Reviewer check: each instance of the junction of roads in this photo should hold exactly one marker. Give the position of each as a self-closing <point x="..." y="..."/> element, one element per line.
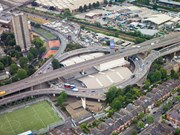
<point x="153" y="49"/>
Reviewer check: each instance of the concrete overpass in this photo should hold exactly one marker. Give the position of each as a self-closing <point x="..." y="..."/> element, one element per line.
<point x="33" y="81"/>
<point x="98" y="93"/>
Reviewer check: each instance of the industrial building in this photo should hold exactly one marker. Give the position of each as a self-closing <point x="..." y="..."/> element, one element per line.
<point x="106" y="78"/>
<point x="72" y="5"/>
<point x="21" y="31"/>
<point x="81" y="58"/>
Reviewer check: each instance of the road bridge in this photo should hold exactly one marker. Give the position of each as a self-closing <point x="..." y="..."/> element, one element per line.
<point x="33" y="81"/>
<point x="98" y="93"/>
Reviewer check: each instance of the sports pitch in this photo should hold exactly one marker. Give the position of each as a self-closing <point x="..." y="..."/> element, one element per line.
<point x="33" y="117"/>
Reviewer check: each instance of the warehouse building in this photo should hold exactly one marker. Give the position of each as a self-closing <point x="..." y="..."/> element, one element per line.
<point x="72" y="5"/>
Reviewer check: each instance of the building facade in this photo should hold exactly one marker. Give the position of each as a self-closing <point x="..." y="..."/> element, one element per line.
<point x="21" y="31"/>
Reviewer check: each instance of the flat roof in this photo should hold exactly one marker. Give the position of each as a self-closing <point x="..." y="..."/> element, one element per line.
<point x="5" y="17"/>
<point x="106" y="78"/>
<point x="159" y="18"/>
<point x="170" y="2"/>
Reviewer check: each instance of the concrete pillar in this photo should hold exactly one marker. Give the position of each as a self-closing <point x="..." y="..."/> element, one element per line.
<point x="174" y="53"/>
<point x="54" y="95"/>
<point x="83" y="102"/>
<point x="126" y="58"/>
<point x="99" y="100"/>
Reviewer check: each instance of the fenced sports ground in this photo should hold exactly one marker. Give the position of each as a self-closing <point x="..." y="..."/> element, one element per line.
<point x="33" y="117"/>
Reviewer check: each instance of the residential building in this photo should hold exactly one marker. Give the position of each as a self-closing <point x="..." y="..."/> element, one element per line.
<point x="173" y="115"/>
<point x="21" y="31"/>
<point x="158" y="129"/>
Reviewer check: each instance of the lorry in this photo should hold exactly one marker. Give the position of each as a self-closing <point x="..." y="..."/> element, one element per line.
<point x="2" y="93"/>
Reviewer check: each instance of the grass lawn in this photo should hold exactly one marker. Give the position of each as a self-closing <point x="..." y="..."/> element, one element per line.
<point x="46" y="34"/>
<point x="33" y="117"/>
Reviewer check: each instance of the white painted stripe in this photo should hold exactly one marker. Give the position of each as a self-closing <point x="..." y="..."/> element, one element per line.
<point x="109" y="78"/>
<point x="120" y="75"/>
<point x="99" y="82"/>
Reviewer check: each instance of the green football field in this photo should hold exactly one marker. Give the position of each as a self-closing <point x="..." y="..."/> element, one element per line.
<point x="33" y="117"/>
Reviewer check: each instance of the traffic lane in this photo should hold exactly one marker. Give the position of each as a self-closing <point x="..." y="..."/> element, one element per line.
<point x="70" y="68"/>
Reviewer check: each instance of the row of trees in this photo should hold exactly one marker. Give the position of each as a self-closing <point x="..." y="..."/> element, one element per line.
<point x="20" y="66"/>
<point x="90" y="6"/>
<point x="158" y="73"/>
<point x="72" y="46"/>
<point x="118" y="98"/>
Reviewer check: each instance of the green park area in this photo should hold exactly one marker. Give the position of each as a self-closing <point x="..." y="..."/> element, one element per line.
<point x="45" y="33"/>
<point x="33" y="117"/>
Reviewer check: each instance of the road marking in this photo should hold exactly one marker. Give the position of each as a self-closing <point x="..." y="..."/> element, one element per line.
<point x="9" y="124"/>
<point x="38" y="115"/>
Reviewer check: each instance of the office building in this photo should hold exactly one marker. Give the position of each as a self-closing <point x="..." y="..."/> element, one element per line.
<point x="21" y="31"/>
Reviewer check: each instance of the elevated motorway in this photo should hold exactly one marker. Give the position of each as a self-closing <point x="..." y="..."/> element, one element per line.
<point x="99" y="93"/>
<point x="33" y="81"/>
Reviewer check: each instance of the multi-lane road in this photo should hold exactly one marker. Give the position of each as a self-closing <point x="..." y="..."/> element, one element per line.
<point x="32" y="81"/>
<point x="99" y="93"/>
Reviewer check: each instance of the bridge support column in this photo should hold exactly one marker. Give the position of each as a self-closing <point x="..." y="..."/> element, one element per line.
<point x="174" y="53"/>
<point x="54" y="95"/>
<point x="83" y="102"/>
<point x="99" y="100"/>
<point x="126" y="58"/>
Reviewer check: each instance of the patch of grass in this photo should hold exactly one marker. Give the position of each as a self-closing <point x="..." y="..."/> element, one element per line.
<point x="33" y="117"/>
<point x="45" y="33"/>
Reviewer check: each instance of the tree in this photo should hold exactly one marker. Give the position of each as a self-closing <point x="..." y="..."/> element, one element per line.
<point x="94" y="5"/>
<point x="30" y="56"/>
<point x="13" y="69"/>
<point x="174" y="75"/>
<point x="134" y="132"/>
<point x="6" y="60"/>
<point x="105" y="2"/>
<point x="1" y="66"/>
<point x="18" y="48"/>
<point x="21" y="74"/>
<point x="155" y="6"/>
<point x="62" y="98"/>
<point x="97" y="4"/>
<point x="38" y="42"/>
<point x="149" y="119"/>
<point x="23" y="62"/>
<point x="55" y="64"/>
<point x="147" y="84"/>
<point x="42" y="50"/>
<point x="163" y="73"/>
<point x="111" y="94"/>
<point x="85" y="7"/>
<point x="31" y="70"/>
<point x="34" y="3"/>
<point x="67" y="13"/>
<point x="177" y="131"/>
<point x="167" y="106"/>
<point x="117" y="103"/>
<point x="52" y="8"/>
<point x="140" y="124"/>
<point x="90" y="6"/>
<point x="34" y="52"/>
<point x="12" y="42"/>
<point x="81" y="9"/>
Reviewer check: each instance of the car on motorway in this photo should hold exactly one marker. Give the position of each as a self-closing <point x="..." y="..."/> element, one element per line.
<point x="138" y="46"/>
<point x="2" y="93"/>
<point x="152" y="43"/>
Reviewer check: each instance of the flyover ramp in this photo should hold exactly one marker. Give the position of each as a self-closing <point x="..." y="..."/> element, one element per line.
<point x="32" y="81"/>
<point x="99" y="93"/>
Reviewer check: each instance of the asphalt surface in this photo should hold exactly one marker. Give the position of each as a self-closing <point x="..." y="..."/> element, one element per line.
<point x="32" y="81"/>
<point x="97" y="93"/>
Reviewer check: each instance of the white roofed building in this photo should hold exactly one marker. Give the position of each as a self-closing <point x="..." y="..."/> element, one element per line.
<point x="157" y="21"/>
